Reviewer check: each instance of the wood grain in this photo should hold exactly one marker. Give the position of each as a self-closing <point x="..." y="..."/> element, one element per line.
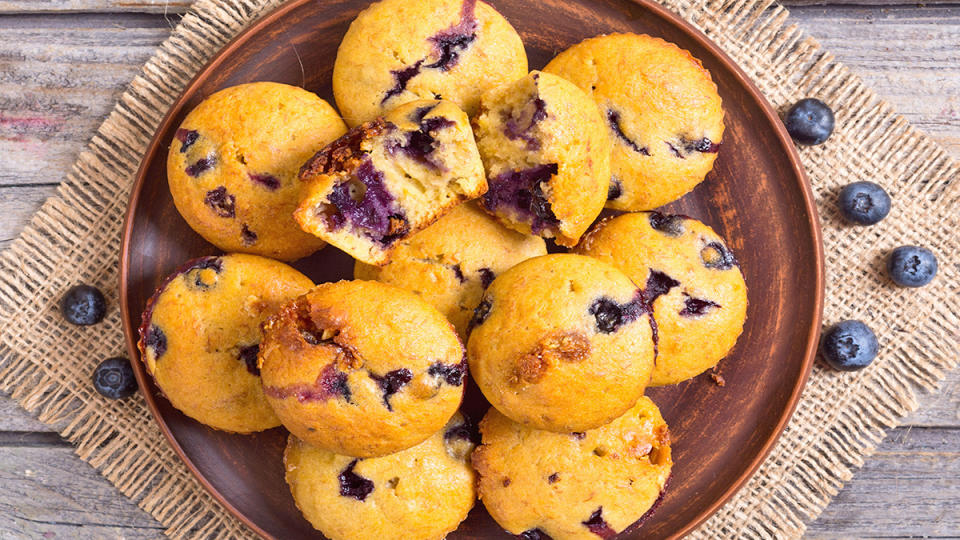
<point x="907" y="54"/>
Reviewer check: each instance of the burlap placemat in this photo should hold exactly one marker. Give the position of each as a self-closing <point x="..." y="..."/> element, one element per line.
<point x="46" y="365"/>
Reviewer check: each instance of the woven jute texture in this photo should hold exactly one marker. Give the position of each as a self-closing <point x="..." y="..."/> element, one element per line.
<point x="46" y="364"/>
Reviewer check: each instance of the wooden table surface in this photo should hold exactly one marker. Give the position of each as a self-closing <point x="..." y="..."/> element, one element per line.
<point x="64" y="62"/>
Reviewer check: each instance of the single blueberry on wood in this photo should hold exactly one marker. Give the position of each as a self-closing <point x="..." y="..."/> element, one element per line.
<point x="354" y="485"/>
<point x="912" y="266"/>
<point x="809" y="121"/>
<point x="83" y="305"/>
<point x="849" y="346"/>
<point x="114" y="378"/>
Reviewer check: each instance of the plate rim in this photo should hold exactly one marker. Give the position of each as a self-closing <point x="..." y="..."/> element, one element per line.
<point x="145" y="383"/>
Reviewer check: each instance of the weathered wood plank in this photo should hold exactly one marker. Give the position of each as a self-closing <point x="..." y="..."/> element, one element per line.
<point x="59" y="78"/>
<point x="87" y="6"/>
<point x="14" y="419"/>
<point x="908" y="487"/>
<point x="908" y="55"/>
<point x="49" y="493"/>
<point x="17" y="205"/>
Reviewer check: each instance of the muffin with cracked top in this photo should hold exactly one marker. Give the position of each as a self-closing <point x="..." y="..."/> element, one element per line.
<point x="562" y="343"/>
<point x="397" y="51"/>
<point x="387" y="179"/>
<point x="233" y="164"/>
<point x="547" y="155"/>
<point x="538" y="484"/>
<point x="421" y="492"/>
<point x="690" y="277"/>
<point x="201" y="333"/>
<point x="361" y="368"/>
<point x="450" y="263"/>
<point x="662" y="111"/>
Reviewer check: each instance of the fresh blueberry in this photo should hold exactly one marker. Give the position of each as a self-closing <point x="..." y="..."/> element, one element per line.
<point x="83" y="305"/>
<point x="865" y="203"/>
<point x="810" y="121"/>
<point x="912" y="266"/>
<point x="849" y="346"/>
<point x="114" y="378"/>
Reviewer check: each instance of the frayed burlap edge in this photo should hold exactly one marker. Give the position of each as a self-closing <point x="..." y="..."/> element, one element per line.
<point x="76" y="236"/>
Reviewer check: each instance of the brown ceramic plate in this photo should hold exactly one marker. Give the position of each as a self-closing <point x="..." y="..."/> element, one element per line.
<point x="757" y="197"/>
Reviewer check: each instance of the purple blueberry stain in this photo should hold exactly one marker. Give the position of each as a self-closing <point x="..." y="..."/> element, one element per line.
<point x="599" y="526"/>
<point x="354" y="485"/>
<point x="578" y="435"/>
<point x="193" y="277"/>
<point x="534" y="534"/>
<point x="695" y="307"/>
<point x="421" y="144"/>
<point x="365" y="202"/>
<point x="613" y="118"/>
<point x="668" y="224"/>
<point x="186" y="137"/>
<point x="553" y="478"/>
<point x="329" y="384"/>
<point x="452" y="374"/>
<point x="611" y="315"/>
<point x="401" y="78"/>
<point x="458" y="271"/>
<point x="716" y="256"/>
<point x="450" y="43"/>
<point x="420" y="113"/>
<point x="247" y="236"/>
<point x="518" y="124"/>
<point x="481" y="312"/>
<point x="266" y="180"/>
<point x="155" y="340"/>
<point x="222" y="203"/>
<point x="615" y="190"/>
<point x="201" y="165"/>
<point x="248" y="354"/>
<point x="486" y="277"/>
<point x="523" y="191"/>
<point x="703" y="145"/>
<point x="392" y="382"/>
<point x="658" y="284"/>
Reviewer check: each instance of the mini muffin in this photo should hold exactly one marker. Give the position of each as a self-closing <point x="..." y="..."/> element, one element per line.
<point x="201" y="333"/>
<point x="387" y="179"/>
<point x="691" y="279"/>
<point x="232" y="167"/>
<point x="662" y="111"/>
<point x="562" y="342"/>
<point x="547" y="154"/>
<point x="361" y="368"/>
<point x="397" y="51"/>
<point x="422" y="492"/>
<point x="451" y="262"/>
<point x="538" y="484"/>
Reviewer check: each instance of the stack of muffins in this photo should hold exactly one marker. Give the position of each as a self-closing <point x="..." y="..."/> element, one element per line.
<point x="450" y="166"/>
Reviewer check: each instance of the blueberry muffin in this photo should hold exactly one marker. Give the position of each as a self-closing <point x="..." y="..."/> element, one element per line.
<point x="201" y="333"/>
<point x="690" y="277"/>
<point x="538" y="484"/>
<point x="232" y="167"/>
<point x="421" y="492"/>
<point x="361" y="368"/>
<point x="547" y="155"/>
<point x="397" y="51"/>
<point x="451" y="262"/>
<point x="662" y="111"/>
<point x="386" y="179"/>
<point x="562" y="343"/>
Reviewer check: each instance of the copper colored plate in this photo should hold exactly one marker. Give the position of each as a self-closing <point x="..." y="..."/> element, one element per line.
<point x="757" y="197"/>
